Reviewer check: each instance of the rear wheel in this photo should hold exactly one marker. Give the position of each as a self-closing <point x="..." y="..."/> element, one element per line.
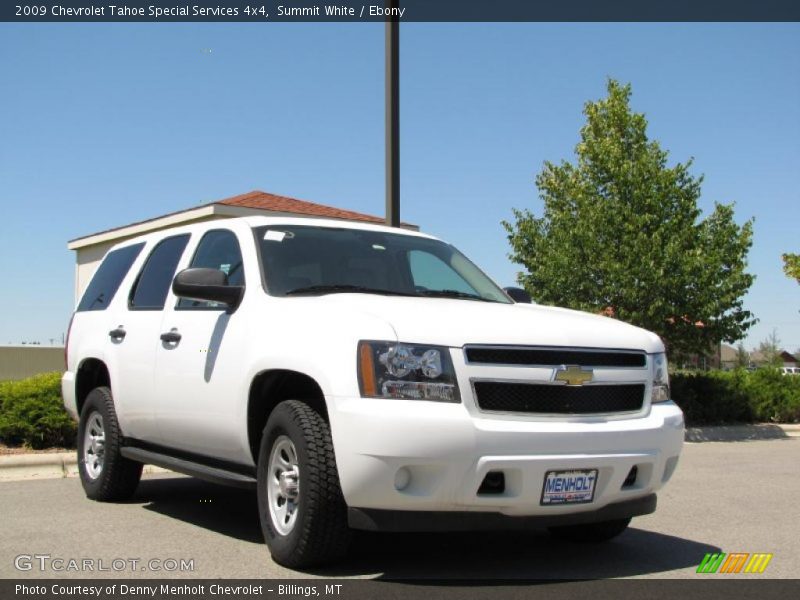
<point x="106" y="475"/>
<point x="591" y="532"/>
<point x="303" y="513"/>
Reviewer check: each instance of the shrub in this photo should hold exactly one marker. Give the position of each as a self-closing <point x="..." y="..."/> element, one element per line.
<point x="773" y="396"/>
<point x="32" y="413"/>
<point x="737" y="396"/>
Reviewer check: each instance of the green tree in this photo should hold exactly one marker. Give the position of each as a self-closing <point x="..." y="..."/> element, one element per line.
<point x="621" y="232"/>
<point x="770" y="349"/>
<point x="791" y="266"/>
<point x="742" y="356"/>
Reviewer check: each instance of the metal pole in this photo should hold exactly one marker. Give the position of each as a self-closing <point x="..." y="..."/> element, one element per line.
<point x="392" y="119"/>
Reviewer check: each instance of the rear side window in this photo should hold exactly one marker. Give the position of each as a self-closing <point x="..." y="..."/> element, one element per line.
<point x="219" y="249"/>
<point x="151" y="287"/>
<point x="109" y="275"/>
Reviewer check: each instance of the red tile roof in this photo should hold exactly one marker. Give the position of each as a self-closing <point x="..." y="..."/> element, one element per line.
<point x="267" y="202"/>
<point x="273" y="202"/>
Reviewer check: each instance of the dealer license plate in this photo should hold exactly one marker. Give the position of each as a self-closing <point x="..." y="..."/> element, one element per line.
<point x="569" y="487"/>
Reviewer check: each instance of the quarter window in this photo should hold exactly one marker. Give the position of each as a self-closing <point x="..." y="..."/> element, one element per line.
<point x="151" y="287"/>
<point x="109" y="275"/>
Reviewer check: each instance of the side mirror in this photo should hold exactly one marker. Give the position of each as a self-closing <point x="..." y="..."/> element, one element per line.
<point x="518" y="295"/>
<point x="207" y="284"/>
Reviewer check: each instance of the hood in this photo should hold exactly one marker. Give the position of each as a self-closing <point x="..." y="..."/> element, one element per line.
<point x="454" y="323"/>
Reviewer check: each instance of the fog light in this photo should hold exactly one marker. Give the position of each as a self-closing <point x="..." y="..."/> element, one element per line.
<point x="493" y="483"/>
<point x="402" y="478"/>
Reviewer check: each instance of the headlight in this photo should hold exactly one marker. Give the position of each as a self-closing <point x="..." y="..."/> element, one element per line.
<point x="406" y="371"/>
<point x="660" y="379"/>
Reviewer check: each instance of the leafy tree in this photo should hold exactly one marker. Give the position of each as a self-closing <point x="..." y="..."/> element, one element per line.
<point x="770" y="349"/>
<point x="621" y="233"/>
<point x="791" y="266"/>
<point x="742" y="356"/>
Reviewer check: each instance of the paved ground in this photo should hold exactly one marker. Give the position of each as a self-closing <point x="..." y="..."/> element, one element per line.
<point x="731" y="496"/>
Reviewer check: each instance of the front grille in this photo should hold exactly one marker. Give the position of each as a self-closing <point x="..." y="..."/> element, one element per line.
<point x="554" y="356"/>
<point x="558" y="399"/>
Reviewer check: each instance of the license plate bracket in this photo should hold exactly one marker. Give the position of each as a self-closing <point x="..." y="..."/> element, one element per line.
<point x="568" y="486"/>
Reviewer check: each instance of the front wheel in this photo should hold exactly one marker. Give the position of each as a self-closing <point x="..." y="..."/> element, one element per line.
<point x="303" y="513"/>
<point x="590" y="532"/>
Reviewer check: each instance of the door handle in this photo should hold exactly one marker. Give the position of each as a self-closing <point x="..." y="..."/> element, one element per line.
<point x="117" y="334"/>
<point x="171" y="337"/>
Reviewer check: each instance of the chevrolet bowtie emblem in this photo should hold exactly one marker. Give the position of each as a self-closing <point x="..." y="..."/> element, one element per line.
<point x="573" y="375"/>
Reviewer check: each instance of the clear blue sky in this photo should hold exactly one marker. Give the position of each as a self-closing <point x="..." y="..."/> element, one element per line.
<point x="105" y="124"/>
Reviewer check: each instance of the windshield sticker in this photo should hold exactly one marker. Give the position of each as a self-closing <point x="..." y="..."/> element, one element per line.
<point x="274" y="236"/>
<point x="225" y="269"/>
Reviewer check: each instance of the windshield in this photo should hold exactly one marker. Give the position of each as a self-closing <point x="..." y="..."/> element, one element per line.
<point x="304" y="260"/>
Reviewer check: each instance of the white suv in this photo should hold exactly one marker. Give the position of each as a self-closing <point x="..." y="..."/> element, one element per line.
<point x="362" y="377"/>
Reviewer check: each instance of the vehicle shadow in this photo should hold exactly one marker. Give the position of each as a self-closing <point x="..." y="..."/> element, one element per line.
<point x="435" y="556"/>
<point x="228" y="511"/>
<point x="517" y="556"/>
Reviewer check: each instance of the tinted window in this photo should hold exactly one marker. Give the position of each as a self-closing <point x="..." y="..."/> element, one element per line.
<point x="299" y="259"/>
<point x="219" y="249"/>
<point x="151" y="287"/>
<point x="107" y="278"/>
<point x="432" y="273"/>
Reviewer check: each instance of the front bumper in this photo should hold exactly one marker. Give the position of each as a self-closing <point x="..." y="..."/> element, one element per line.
<point x="445" y="452"/>
<point x="371" y="519"/>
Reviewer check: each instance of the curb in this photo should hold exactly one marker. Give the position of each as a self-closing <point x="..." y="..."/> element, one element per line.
<point x="742" y="433"/>
<point x="52" y="465"/>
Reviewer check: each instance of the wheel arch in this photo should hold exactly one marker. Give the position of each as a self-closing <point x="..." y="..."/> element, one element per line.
<point x="271" y="387"/>
<point x="91" y="373"/>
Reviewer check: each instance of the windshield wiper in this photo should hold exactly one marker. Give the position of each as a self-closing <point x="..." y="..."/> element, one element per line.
<point x="342" y="289"/>
<point x="452" y="294"/>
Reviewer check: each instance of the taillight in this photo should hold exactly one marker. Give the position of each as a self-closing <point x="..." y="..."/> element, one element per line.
<point x="66" y="341"/>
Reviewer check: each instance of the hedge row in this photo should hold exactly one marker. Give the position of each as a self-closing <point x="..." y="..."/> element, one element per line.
<point x="739" y="396"/>
<point x="32" y="413"/>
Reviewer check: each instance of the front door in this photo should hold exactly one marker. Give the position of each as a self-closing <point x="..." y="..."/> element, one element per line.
<point x="198" y="372"/>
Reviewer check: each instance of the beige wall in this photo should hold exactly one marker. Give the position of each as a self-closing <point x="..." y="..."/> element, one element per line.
<point x="19" y="362"/>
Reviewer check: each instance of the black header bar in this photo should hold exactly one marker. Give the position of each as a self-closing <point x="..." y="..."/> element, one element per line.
<point x="262" y="11"/>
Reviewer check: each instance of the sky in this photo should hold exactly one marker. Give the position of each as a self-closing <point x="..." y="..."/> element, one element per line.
<point x="102" y="125"/>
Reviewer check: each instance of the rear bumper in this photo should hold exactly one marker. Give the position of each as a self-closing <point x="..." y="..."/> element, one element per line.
<point x="397" y="521"/>
<point x="68" y="393"/>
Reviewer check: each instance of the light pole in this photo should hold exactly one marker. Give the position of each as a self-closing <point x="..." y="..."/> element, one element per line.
<point x="392" y="57"/>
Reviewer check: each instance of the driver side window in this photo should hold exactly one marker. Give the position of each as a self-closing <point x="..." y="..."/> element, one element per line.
<point x="219" y="249"/>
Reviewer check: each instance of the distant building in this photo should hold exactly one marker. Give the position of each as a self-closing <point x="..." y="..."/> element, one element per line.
<point x="789" y="360"/>
<point x="728" y="357"/>
<point x="90" y="249"/>
<point x="757" y="359"/>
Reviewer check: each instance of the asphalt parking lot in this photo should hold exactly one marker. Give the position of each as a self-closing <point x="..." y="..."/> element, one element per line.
<point x="725" y="496"/>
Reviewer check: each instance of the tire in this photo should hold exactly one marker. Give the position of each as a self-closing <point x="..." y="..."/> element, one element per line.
<point x="591" y="532"/>
<point x="106" y="475"/>
<point x="303" y="513"/>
